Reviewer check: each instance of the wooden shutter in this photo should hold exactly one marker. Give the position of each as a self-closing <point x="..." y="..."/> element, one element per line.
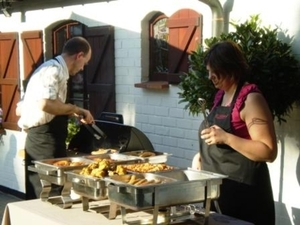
<point x="184" y="36"/>
<point x="9" y="77"/>
<point x="100" y="71"/>
<point x="32" y="52"/>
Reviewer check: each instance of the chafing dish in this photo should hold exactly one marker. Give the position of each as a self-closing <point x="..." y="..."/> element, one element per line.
<point x="90" y="187"/>
<point x="187" y="186"/>
<point x="145" y="156"/>
<point x="49" y="174"/>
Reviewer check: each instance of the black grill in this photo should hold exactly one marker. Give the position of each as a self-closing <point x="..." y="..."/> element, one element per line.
<point x="118" y="136"/>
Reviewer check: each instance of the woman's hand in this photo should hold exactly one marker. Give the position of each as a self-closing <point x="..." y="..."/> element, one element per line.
<point x="213" y="135"/>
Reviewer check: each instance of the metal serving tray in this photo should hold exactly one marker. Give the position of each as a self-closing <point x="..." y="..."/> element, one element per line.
<point x="87" y="186"/>
<point x="115" y="158"/>
<point x="121" y="180"/>
<point x="52" y="174"/>
<point x="159" y="157"/>
<point x="46" y="167"/>
<point x="93" y="187"/>
<point x="188" y="186"/>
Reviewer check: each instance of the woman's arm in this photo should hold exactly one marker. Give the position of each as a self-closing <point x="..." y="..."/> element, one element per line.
<point x="196" y="163"/>
<point x="263" y="144"/>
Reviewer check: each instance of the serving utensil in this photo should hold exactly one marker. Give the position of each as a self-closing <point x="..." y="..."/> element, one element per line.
<point x="202" y="103"/>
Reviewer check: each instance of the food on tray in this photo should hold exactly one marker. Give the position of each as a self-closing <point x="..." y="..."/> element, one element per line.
<point x="102" y="168"/>
<point x="134" y="180"/>
<point x="148" y="167"/>
<point x="146" y="154"/>
<point x="100" y="159"/>
<point x="143" y="154"/>
<point x="101" y="151"/>
<point x="67" y="162"/>
<point x="76" y="163"/>
<point x="61" y="163"/>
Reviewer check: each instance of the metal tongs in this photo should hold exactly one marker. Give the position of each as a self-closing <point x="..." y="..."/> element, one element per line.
<point x="94" y="130"/>
<point x="202" y="103"/>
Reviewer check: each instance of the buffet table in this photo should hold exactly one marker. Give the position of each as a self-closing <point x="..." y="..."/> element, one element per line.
<point x="39" y="212"/>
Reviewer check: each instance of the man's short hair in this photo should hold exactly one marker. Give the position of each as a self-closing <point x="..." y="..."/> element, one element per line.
<point x="75" y="45"/>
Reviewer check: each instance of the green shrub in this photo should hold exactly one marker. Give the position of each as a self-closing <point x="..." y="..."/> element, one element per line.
<point x="273" y="67"/>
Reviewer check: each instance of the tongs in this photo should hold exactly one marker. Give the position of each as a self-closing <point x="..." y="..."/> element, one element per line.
<point x="94" y="130"/>
<point x="202" y="104"/>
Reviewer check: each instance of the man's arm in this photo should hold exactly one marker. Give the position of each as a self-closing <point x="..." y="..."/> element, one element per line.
<point x="57" y="107"/>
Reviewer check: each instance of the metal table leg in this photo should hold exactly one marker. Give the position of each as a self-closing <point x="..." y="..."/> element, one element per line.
<point x="123" y="213"/>
<point x="85" y="203"/>
<point x="46" y="188"/>
<point x="155" y="214"/>
<point x="208" y="199"/>
<point x="112" y="210"/>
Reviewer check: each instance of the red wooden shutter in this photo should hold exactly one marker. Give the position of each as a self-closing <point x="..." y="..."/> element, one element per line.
<point x="9" y="77"/>
<point x="184" y="34"/>
<point x="32" y="51"/>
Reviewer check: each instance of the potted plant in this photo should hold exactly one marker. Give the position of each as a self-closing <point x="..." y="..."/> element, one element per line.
<point x="273" y="67"/>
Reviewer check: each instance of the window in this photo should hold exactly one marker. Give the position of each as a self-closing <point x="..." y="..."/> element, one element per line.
<point x="159" y="45"/>
<point x="171" y="41"/>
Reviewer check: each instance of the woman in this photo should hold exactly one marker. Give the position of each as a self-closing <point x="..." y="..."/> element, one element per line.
<point x="240" y="140"/>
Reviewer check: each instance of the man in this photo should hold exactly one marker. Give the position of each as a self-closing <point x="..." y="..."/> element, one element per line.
<point x="44" y="113"/>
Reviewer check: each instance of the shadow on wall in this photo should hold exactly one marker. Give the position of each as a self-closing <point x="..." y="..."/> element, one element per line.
<point x="8" y="164"/>
<point x="289" y="130"/>
<point x="296" y="215"/>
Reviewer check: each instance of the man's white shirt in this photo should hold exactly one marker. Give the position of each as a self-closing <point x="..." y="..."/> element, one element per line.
<point x="49" y="81"/>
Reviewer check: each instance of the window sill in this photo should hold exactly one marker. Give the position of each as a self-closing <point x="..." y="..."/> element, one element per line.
<point x="158" y="85"/>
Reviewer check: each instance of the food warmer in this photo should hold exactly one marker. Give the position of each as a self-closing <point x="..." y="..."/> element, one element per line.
<point x="114" y="135"/>
<point x="52" y="173"/>
<point x="94" y="188"/>
<point x="178" y="187"/>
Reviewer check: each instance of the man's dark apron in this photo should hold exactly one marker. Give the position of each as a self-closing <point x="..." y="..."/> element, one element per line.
<point x="248" y="188"/>
<point x="44" y="142"/>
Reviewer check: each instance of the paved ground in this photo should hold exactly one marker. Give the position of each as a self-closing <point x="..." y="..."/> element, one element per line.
<point x="4" y="199"/>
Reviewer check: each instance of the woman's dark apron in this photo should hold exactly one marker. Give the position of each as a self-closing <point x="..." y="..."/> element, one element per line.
<point x="247" y="193"/>
<point x="44" y="142"/>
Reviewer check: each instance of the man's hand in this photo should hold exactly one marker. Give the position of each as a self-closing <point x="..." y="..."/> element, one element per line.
<point x="85" y="116"/>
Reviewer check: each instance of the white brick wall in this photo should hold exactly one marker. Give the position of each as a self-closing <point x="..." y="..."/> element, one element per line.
<point x="157" y="113"/>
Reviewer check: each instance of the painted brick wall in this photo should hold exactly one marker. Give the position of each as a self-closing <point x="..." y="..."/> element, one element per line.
<point x="157" y="113"/>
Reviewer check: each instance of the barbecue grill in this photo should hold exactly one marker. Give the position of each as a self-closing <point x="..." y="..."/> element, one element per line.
<point x="118" y="136"/>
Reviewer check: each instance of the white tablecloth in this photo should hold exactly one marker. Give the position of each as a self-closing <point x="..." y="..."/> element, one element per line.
<point x="37" y="212"/>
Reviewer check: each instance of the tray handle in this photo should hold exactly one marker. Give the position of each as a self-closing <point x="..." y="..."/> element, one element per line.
<point x="42" y="171"/>
<point x="78" y="180"/>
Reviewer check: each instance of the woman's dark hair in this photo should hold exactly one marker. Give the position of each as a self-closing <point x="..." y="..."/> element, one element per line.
<point x="75" y="45"/>
<point x="226" y="58"/>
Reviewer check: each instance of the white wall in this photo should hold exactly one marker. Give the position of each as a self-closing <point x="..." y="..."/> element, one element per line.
<point x="157" y="113"/>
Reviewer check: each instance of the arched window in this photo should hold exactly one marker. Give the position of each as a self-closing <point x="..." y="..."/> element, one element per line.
<point x="171" y="42"/>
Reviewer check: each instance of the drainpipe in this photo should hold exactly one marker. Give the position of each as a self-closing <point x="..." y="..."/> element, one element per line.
<point x="227" y="8"/>
<point x="217" y="16"/>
